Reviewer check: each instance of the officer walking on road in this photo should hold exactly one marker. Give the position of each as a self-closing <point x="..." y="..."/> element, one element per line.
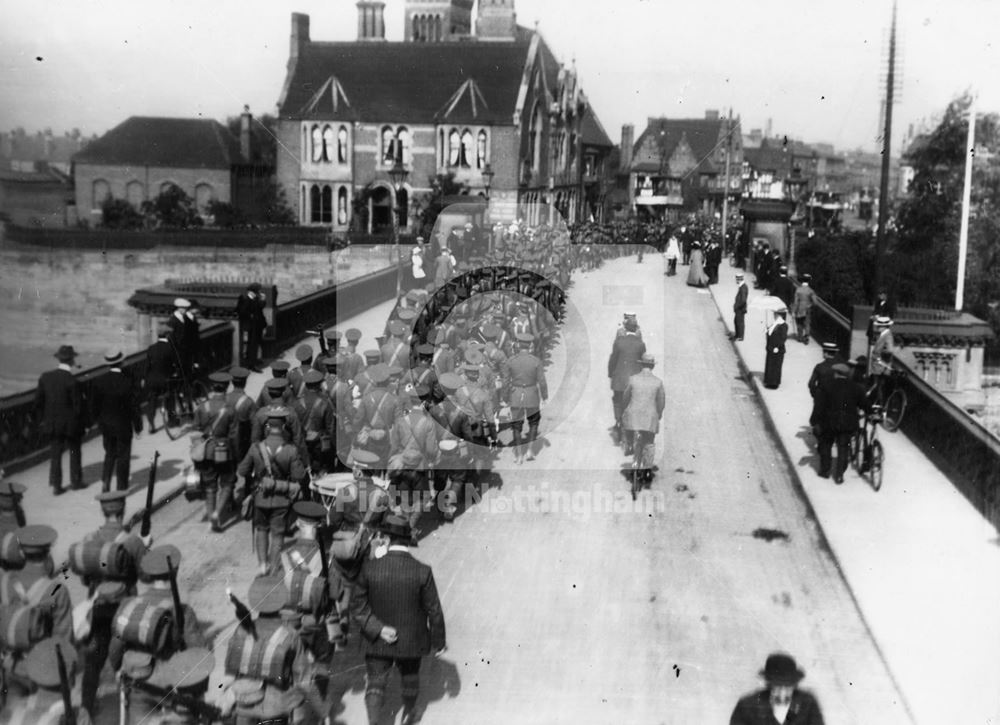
<point x="526" y="390"/>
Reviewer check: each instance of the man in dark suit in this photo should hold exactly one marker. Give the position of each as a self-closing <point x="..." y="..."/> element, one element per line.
<point x="114" y="406"/>
<point x="740" y="308"/>
<point x="838" y="400"/>
<point x="781" y="701"/>
<point x="161" y="366"/>
<point x="774" y="358"/>
<point x="622" y="365"/>
<point x="400" y="615"/>
<point x="250" y="311"/>
<point x="180" y="328"/>
<point x="822" y="373"/>
<point x="59" y="405"/>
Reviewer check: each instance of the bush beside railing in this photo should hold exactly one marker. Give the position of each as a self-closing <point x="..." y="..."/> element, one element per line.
<point x="79" y="239"/>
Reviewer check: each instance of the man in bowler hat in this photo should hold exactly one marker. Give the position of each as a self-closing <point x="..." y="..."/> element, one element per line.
<point x="59" y="405"/>
<point x="780" y="701"/>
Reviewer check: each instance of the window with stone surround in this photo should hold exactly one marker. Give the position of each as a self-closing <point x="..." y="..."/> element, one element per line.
<point x="101" y="191"/>
<point x="317" y="144"/>
<point x="342" y="145"/>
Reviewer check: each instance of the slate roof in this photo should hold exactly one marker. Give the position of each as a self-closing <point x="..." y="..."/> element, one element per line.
<point x="186" y="143"/>
<point x="413" y="81"/>
<point x="592" y="132"/>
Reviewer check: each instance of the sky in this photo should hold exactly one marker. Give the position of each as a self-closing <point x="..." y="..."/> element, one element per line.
<point x="813" y="69"/>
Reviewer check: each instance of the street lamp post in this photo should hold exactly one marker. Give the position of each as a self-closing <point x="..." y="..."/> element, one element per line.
<point x="488" y="174"/>
<point x="398" y="174"/>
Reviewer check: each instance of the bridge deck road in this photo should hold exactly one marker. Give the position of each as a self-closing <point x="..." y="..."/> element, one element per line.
<point x="564" y="604"/>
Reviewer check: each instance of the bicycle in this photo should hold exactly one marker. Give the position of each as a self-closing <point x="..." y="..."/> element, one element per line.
<point x="176" y="407"/>
<point x="643" y="454"/>
<point x="867" y="455"/>
<point x="893" y="403"/>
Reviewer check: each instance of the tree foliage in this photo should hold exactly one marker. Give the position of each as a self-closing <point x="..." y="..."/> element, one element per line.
<point x="172" y="208"/>
<point x="119" y="214"/>
<point x="263" y="137"/>
<point x="431" y="204"/>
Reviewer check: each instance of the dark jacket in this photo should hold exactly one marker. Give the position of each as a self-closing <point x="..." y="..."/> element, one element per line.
<point x="59" y="404"/>
<point x="838" y="401"/>
<point x="114" y="404"/>
<point x="286" y="467"/>
<point x="624" y="360"/>
<point x="399" y="591"/>
<point x="251" y="311"/>
<point x="161" y="362"/>
<point x="755" y="709"/>
<point x="740" y="303"/>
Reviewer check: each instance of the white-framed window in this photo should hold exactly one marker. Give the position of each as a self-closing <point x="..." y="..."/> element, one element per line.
<point x="454" y="148"/>
<point x="328" y="143"/>
<point x="342" y="202"/>
<point x="134" y="194"/>
<point x="482" y="147"/>
<point x="203" y="196"/>
<point x="342" y="145"/>
<point x="317" y="144"/>
<point x="468" y="149"/>
<point x="321" y="204"/>
<point x="404" y="146"/>
<point x="388" y="148"/>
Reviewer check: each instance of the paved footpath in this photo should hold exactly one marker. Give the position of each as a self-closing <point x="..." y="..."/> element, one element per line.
<point x="923" y="564"/>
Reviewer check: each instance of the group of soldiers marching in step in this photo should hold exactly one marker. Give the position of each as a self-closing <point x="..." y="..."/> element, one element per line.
<point x="328" y="451"/>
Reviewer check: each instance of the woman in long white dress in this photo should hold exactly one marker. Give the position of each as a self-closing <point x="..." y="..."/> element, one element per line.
<point x="696" y="272"/>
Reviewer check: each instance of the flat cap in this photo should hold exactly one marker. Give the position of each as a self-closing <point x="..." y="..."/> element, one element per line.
<point x="303" y="353"/>
<point x="154" y="563"/>
<point x="267" y="594"/>
<point x="309" y="511"/>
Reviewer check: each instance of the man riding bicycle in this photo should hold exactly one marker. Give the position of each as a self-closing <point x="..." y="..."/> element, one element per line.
<point x="643" y="403"/>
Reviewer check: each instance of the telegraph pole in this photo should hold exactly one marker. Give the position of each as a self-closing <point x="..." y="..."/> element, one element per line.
<point x="725" y="193"/>
<point x="883" y="201"/>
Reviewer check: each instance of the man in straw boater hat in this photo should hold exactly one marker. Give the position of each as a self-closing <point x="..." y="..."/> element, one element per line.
<point x="59" y="406"/>
<point x="780" y="701"/>
<point x="114" y="406"/>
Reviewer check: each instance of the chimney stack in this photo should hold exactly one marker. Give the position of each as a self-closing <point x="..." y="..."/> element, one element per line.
<point x="300" y="34"/>
<point x="371" y="20"/>
<point x="711" y="115"/>
<point x="245" y="119"/>
<point x="628" y="141"/>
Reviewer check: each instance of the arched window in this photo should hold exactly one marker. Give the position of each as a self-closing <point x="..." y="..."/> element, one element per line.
<point x="133" y="192"/>
<point x="403" y="207"/>
<point x="481" y="149"/>
<point x="315" y="211"/>
<point x="203" y="195"/>
<point x="102" y="191"/>
<point x="442" y="157"/>
<point x="454" y="148"/>
<point x="326" y="214"/>
<point x="388" y="146"/>
<point x="468" y="149"/>
<point x="303" y="211"/>
<point x="437" y="28"/>
<point x="304" y="149"/>
<point x="404" y="149"/>
<point x="416" y="27"/>
<point x="535" y="139"/>
<point x="342" y="205"/>
<point x="317" y="144"/>
<point x="342" y="145"/>
<point x="328" y="143"/>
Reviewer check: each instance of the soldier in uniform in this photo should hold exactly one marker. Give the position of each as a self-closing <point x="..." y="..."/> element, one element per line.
<point x="318" y="421"/>
<point x="340" y="392"/>
<point x="244" y="407"/>
<point x="45" y="706"/>
<point x="395" y="351"/>
<point x="822" y="373"/>
<point x="11" y="510"/>
<point x="642" y="408"/>
<point x="217" y="422"/>
<point x="422" y="373"/>
<point x="413" y="445"/>
<point x="526" y="390"/>
<point x="375" y="414"/>
<point x="362" y="381"/>
<point x="296" y="381"/>
<point x="107" y="593"/>
<point x="279" y="371"/>
<point x="626" y="352"/>
<point x="443" y="360"/>
<point x="293" y="431"/>
<point x="354" y="361"/>
<point x="274" y="467"/>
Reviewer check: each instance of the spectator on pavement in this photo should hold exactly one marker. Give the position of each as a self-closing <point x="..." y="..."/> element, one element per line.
<point x="775" y="356"/>
<point x="835" y="418"/>
<point x="696" y="274"/>
<point x="60" y="407"/>
<point x="114" y="406"/>
<point x="802" y="304"/>
<point x="780" y="701"/>
<point x="250" y="312"/>
<point x="740" y="308"/>
<point x="671" y="255"/>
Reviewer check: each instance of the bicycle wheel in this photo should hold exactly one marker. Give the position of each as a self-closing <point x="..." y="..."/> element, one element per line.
<point x="172" y="424"/>
<point x="858" y="449"/>
<point x="895" y="406"/>
<point x="878" y="458"/>
<point x="199" y="393"/>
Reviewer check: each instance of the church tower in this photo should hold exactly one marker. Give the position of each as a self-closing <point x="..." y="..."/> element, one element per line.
<point x="433" y="21"/>
<point x="497" y="20"/>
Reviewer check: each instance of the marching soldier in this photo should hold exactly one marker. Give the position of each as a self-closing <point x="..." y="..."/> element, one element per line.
<point x="375" y="414"/>
<point x="443" y="360"/>
<point x="244" y="407"/>
<point x="318" y="421"/>
<point x="413" y="443"/>
<point x="395" y="351"/>
<point x="45" y="705"/>
<point x="269" y="394"/>
<point x="272" y="469"/>
<point x="293" y="431"/>
<point x="362" y="381"/>
<point x="304" y="354"/>
<point x="106" y="590"/>
<point x="526" y="390"/>
<point x="354" y="362"/>
<point x="217" y="422"/>
<point x="341" y="396"/>
<point x="422" y="374"/>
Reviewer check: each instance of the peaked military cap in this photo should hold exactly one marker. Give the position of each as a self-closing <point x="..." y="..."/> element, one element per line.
<point x="112" y="502"/>
<point x="268" y="594"/>
<point x="353" y="335"/>
<point x="36" y="539"/>
<point x="309" y="511"/>
<point x="239" y="373"/>
<point x="280" y="366"/>
<point x="42" y="666"/>
<point x="372" y="356"/>
<point x="186" y="671"/>
<point x="277" y="384"/>
<point x="303" y="353"/>
<point x="525" y="337"/>
<point x="9" y="489"/>
<point x="378" y="374"/>
<point x="220" y="378"/>
<point x="363" y="459"/>
<point x="313" y="377"/>
<point x="278" y="413"/>
<point x="154" y="563"/>
<point x="396" y="328"/>
<point x="450" y="382"/>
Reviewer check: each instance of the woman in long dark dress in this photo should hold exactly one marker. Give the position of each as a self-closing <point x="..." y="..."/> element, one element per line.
<point x="696" y="273"/>
<point x="776" y="335"/>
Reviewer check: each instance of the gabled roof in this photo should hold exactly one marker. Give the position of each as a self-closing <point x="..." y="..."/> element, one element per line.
<point x="329" y="100"/>
<point x="467" y="102"/>
<point x="413" y="81"/>
<point x="186" y="143"/>
<point x="592" y="133"/>
<point x="702" y="136"/>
